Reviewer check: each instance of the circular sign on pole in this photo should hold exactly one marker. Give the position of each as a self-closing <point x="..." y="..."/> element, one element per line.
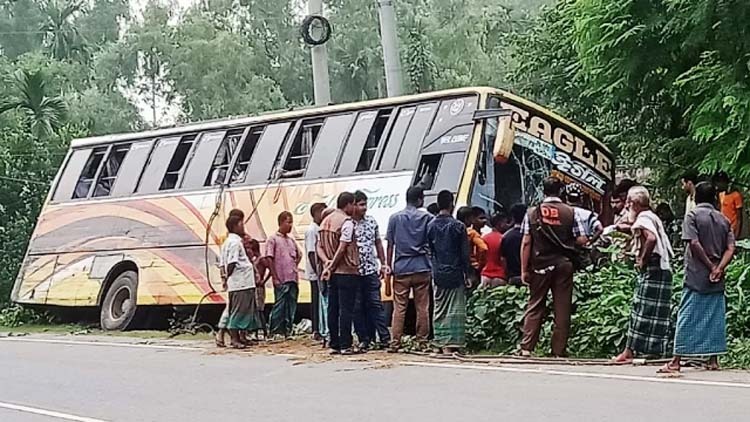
<point x="315" y="30"/>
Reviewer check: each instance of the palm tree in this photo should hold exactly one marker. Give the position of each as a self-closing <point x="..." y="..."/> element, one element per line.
<point x="46" y="114"/>
<point x="61" y="35"/>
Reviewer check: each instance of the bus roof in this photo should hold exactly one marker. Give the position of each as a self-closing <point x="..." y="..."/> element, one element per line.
<point x="310" y="111"/>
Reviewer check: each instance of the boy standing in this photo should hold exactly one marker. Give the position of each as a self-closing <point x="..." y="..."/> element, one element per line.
<point x="239" y="282"/>
<point x="319" y="292"/>
<point x="285" y="256"/>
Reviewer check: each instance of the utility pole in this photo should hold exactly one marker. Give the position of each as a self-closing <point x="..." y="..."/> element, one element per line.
<point x="389" y="40"/>
<point x="321" y="81"/>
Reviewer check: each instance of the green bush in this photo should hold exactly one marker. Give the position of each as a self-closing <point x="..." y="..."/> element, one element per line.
<point x="16" y="316"/>
<point x="601" y="310"/>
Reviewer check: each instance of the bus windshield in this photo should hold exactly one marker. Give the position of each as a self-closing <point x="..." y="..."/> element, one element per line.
<point x="543" y="145"/>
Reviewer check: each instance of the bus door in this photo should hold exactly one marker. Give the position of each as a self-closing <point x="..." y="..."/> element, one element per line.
<point x="443" y="153"/>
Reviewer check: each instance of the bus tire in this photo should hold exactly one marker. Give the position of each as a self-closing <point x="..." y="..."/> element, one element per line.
<point x="119" y="305"/>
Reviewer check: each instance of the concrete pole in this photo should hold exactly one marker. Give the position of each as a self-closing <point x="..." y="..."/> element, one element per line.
<point x="389" y="39"/>
<point x="321" y="81"/>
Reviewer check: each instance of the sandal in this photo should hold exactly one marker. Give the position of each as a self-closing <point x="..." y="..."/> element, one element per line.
<point x="220" y="343"/>
<point x="668" y="369"/>
<point x="238" y="346"/>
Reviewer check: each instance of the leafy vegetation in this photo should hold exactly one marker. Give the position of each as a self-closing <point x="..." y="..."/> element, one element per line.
<point x="602" y="303"/>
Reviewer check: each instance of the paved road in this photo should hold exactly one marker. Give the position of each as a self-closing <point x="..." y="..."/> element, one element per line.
<point x="144" y="384"/>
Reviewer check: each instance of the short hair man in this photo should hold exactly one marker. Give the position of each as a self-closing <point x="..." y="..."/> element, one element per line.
<point x="318" y="288"/>
<point x="689" y="180"/>
<point x="511" y="244"/>
<point x="408" y="257"/>
<point x="341" y="274"/>
<point x="477" y="246"/>
<point x="701" y="320"/>
<point x="730" y="201"/>
<point x="285" y="256"/>
<point x="450" y="266"/>
<point x="369" y="318"/>
<point x="620" y="199"/>
<point x="550" y="231"/>
<point x="494" y="273"/>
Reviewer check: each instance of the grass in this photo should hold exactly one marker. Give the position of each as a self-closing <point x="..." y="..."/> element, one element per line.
<point x="79" y="329"/>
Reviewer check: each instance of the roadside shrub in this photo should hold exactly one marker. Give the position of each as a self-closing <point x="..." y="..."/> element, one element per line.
<point x="16" y="316"/>
<point x="601" y="310"/>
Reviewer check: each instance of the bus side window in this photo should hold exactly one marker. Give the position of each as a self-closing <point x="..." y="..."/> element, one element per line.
<point x="131" y="168"/>
<point x="360" y="150"/>
<point x="109" y="171"/>
<point x="327" y="149"/>
<point x="405" y="141"/>
<point x="223" y="159"/>
<point x="407" y="156"/>
<point x="246" y="153"/>
<point x="268" y="149"/>
<point x="69" y="177"/>
<point x="176" y="166"/>
<point x="438" y="172"/>
<point x="204" y="155"/>
<point x="301" y="149"/>
<point x="160" y="158"/>
<point x="90" y="171"/>
<point x="396" y="138"/>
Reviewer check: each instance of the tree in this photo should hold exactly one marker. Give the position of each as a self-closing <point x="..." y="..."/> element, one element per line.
<point x="44" y="113"/>
<point x="61" y="32"/>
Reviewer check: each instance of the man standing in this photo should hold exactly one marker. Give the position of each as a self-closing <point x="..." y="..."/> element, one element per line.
<point x="450" y="265"/>
<point x="341" y="271"/>
<point x="494" y="273"/>
<point x="319" y="293"/>
<point x="551" y="232"/>
<point x="285" y="256"/>
<point x="408" y="257"/>
<point x="369" y="318"/>
<point x="477" y="245"/>
<point x="701" y="320"/>
<point x="689" y="180"/>
<point x="730" y="202"/>
<point x="591" y="223"/>
<point x="650" y="318"/>
<point x="620" y="199"/>
<point x="511" y="245"/>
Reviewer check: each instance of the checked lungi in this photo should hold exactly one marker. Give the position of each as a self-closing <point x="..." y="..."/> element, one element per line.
<point x="650" y="318"/>
<point x="701" y="324"/>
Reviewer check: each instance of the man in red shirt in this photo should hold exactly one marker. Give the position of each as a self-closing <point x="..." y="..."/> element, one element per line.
<point x="493" y="273"/>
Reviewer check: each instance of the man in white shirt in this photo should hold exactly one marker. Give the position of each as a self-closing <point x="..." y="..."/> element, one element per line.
<point x="318" y="288"/>
<point x="239" y="282"/>
<point x="689" y="180"/>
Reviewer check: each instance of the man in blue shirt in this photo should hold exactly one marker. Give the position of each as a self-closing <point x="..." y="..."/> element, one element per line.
<point x="408" y="258"/>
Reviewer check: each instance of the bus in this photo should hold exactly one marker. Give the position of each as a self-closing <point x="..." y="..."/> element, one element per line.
<point x="136" y="220"/>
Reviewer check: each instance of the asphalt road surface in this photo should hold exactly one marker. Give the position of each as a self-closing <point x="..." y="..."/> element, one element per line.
<point x="42" y="381"/>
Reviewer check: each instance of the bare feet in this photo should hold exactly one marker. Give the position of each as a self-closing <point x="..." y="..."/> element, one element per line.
<point x="624" y="358"/>
<point x="713" y="364"/>
<point x="525" y="353"/>
<point x="669" y="368"/>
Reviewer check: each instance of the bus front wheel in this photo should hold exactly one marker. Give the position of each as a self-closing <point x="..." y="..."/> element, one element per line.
<point x="119" y="305"/>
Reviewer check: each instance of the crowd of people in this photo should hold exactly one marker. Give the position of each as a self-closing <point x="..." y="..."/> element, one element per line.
<point x="439" y="260"/>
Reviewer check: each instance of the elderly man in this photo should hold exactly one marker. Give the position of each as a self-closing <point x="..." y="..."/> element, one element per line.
<point x="648" y="331"/>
